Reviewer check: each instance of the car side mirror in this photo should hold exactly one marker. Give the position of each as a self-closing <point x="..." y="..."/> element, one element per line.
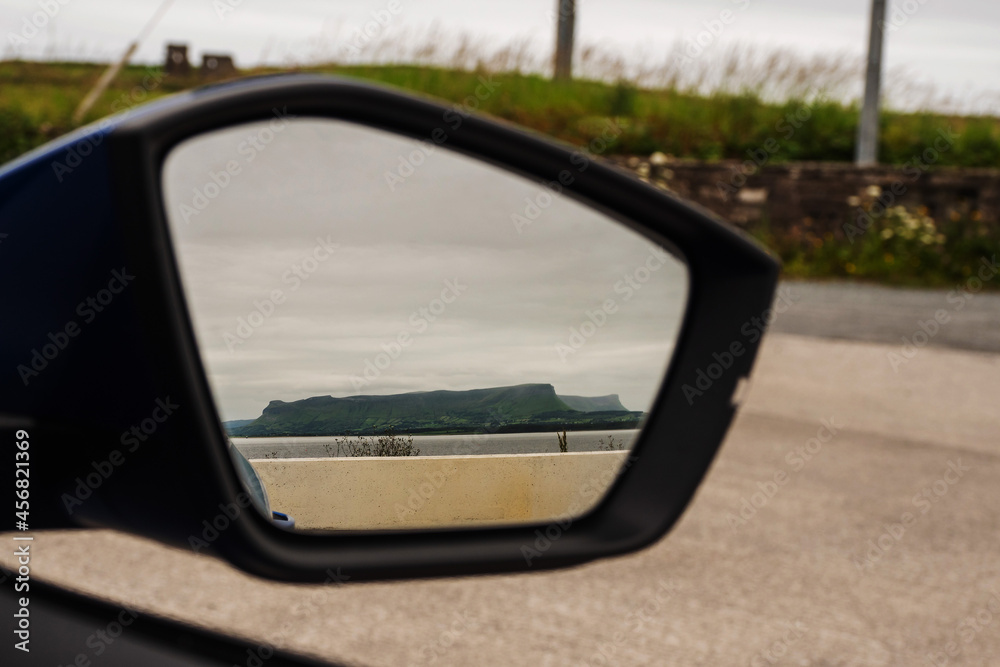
<point x="312" y="325"/>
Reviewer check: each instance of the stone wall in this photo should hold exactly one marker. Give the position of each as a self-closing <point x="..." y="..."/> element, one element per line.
<point x="821" y="196"/>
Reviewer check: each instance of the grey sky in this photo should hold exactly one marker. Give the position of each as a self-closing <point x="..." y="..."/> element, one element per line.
<point x="425" y="283"/>
<point x="951" y="45"/>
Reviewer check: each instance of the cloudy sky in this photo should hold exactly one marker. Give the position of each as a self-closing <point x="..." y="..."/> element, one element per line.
<point x="951" y="45"/>
<point x="308" y="272"/>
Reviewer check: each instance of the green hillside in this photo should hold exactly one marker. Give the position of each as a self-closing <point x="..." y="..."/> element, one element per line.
<point x="518" y="408"/>
<point x="234" y="424"/>
<point x="610" y="402"/>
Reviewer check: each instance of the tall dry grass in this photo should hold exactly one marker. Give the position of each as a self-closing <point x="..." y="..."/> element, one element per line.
<point x="773" y="74"/>
<point x="725" y="103"/>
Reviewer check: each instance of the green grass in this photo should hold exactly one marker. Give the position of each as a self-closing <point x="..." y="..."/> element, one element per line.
<point x="38" y="100"/>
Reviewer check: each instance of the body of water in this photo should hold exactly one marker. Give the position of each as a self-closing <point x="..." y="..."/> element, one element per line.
<point x="442" y="445"/>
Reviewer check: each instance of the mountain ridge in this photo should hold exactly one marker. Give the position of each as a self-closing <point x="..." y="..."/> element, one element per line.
<point x="610" y="402"/>
<point x="495" y="409"/>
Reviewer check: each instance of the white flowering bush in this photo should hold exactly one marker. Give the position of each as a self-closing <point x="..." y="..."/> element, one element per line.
<point x="905" y="246"/>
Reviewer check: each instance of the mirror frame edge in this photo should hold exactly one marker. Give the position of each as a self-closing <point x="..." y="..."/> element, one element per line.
<point x="730" y="280"/>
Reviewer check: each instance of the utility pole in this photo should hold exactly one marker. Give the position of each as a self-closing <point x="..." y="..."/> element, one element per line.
<point x="565" y="20"/>
<point x="866" y="150"/>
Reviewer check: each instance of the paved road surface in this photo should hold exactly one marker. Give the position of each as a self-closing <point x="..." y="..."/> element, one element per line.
<point x="823" y="573"/>
<point x="886" y="314"/>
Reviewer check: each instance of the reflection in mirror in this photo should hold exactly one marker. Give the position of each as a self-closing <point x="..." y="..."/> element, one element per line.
<point x="401" y="336"/>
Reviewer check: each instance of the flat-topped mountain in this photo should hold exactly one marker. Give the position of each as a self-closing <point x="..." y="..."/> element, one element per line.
<point x="611" y="402"/>
<point x="525" y="407"/>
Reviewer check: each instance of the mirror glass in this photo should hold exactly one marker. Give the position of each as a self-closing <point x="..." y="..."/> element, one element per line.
<point x="398" y="335"/>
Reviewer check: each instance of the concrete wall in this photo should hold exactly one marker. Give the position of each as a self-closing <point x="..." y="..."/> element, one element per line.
<point x="429" y="491"/>
<point x="819" y="196"/>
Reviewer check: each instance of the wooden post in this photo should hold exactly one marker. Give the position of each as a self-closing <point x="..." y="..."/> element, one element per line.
<point x="116" y="67"/>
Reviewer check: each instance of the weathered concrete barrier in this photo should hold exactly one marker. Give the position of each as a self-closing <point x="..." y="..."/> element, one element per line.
<point x="434" y="491"/>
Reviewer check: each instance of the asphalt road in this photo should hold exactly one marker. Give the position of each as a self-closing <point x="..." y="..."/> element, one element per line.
<point x="880" y="549"/>
<point x="852" y="311"/>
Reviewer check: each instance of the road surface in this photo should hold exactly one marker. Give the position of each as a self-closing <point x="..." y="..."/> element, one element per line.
<point x="853" y="311"/>
<point x="882" y="547"/>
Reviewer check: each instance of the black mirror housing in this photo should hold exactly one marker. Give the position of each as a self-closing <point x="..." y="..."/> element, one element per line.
<point x="119" y="415"/>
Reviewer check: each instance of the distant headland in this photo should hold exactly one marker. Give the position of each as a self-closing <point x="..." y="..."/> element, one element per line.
<point x="521" y="408"/>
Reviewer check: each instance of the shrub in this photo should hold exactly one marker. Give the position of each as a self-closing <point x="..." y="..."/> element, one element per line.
<point x="901" y="247"/>
<point x="979" y="145"/>
<point x="386" y="443"/>
<point x="611" y="445"/>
